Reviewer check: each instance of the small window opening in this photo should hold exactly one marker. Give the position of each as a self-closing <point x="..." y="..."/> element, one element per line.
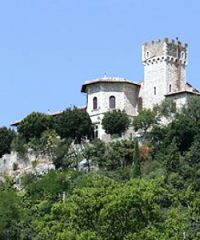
<point x="170" y="87"/>
<point x="154" y="90"/>
<point x="95" y="103"/>
<point x="147" y="54"/>
<point x="140" y="104"/>
<point x="96" y="131"/>
<point x="112" y="102"/>
<point x="182" y="55"/>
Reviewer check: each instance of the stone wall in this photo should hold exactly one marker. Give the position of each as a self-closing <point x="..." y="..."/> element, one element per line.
<point x="15" y="165"/>
<point x="126" y="96"/>
<point x="154" y="88"/>
<point x="164" y="70"/>
<point x="180" y="99"/>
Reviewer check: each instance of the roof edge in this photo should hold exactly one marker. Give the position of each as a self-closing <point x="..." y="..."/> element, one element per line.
<point x="181" y="92"/>
<point x="108" y="80"/>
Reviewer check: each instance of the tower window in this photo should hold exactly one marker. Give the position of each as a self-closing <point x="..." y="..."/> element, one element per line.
<point x="96" y="131"/>
<point x="182" y="55"/>
<point x="95" y="103"/>
<point x="170" y="87"/>
<point x="147" y="54"/>
<point x="154" y="90"/>
<point x="112" y="102"/>
<point x="140" y="103"/>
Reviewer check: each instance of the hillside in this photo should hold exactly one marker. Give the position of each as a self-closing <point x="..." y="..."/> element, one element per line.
<point x="127" y="191"/>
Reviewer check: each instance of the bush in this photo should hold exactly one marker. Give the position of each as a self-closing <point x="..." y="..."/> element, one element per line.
<point x="15" y="166"/>
<point x="6" y="137"/>
<point x="115" y="122"/>
<point x="73" y="123"/>
<point x="34" y="125"/>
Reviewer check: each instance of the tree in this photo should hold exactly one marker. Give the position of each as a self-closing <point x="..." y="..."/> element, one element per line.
<point x="192" y="109"/>
<point x="115" y="122"/>
<point x="144" y="120"/>
<point x="136" y="169"/>
<point x="34" y="125"/>
<point x="6" y="137"/>
<point x="47" y="144"/>
<point x="10" y="214"/>
<point x="62" y="157"/>
<point x="131" y="208"/>
<point x="74" y="123"/>
<point x="19" y="145"/>
<point x="110" y="156"/>
<point x="166" y="109"/>
<point x="50" y="186"/>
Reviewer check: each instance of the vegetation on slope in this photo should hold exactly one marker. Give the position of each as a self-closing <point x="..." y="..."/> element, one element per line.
<point x="148" y="194"/>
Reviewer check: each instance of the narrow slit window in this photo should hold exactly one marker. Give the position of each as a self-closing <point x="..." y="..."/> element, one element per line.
<point x="154" y="90"/>
<point x="96" y="131"/>
<point x="95" y="103"/>
<point x="170" y="87"/>
<point x="182" y="55"/>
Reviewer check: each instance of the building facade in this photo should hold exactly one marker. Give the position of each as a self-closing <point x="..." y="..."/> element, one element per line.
<point x="164" y="63"/>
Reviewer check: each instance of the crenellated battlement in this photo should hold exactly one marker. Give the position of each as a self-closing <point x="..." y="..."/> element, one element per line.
<point x="165" y="50"/>
<point x="167" y="41"/>
<point x="168" y="59"/>
<point x="164" y="69"/>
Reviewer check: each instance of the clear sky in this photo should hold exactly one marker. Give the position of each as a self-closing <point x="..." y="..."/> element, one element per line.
<point x="48" y="48"/>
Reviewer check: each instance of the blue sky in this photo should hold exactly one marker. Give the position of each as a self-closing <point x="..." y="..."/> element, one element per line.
<point x="48" y="48"/>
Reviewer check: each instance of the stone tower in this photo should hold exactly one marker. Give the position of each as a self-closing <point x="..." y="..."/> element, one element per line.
<point x="164" y="70"/>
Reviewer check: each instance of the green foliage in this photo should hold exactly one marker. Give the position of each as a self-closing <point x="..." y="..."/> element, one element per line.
<point x="49" y="187"/>
<point x="136" y="168"/>
<point x="144" y="120"/>
<point x="95" y="153"/>
<point x="15" y="166"/>
<point x="161" y="203"/>
<point x="74" y="235"/>
<point x="19" y="145"/>
<point x="192" y="109"/>
<point x="34" y="164"/>
<point x="62" y="157"/>
<point x="27" y="179"/>
<point x="109" y="156"/>
<point x="6" y="137"/>
<point x="10" y="214"/>
<point x="47" y="144"/>
<point x="166" y="109"/>
<point x="49" y="141"/>
<point x="34" y="125"/>
<point x="115" y="122"/>
<point x="74" y="123"/>
<point x="133" y="207"/>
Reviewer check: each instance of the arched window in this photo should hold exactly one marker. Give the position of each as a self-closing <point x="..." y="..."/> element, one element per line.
<point x="112" y="102"/>
<point x="95" y="103"/>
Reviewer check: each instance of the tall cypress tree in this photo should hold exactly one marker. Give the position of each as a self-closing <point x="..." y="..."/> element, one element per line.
<point x="136" y="168"/>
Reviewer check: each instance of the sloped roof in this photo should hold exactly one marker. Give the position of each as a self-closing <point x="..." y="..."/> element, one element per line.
<point x="181" y="92"/>
<point x="107" y="80"/>
<point x="189" y="89"/>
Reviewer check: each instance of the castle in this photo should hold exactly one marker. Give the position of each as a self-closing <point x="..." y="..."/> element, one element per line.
<point x="164" y="63"/>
